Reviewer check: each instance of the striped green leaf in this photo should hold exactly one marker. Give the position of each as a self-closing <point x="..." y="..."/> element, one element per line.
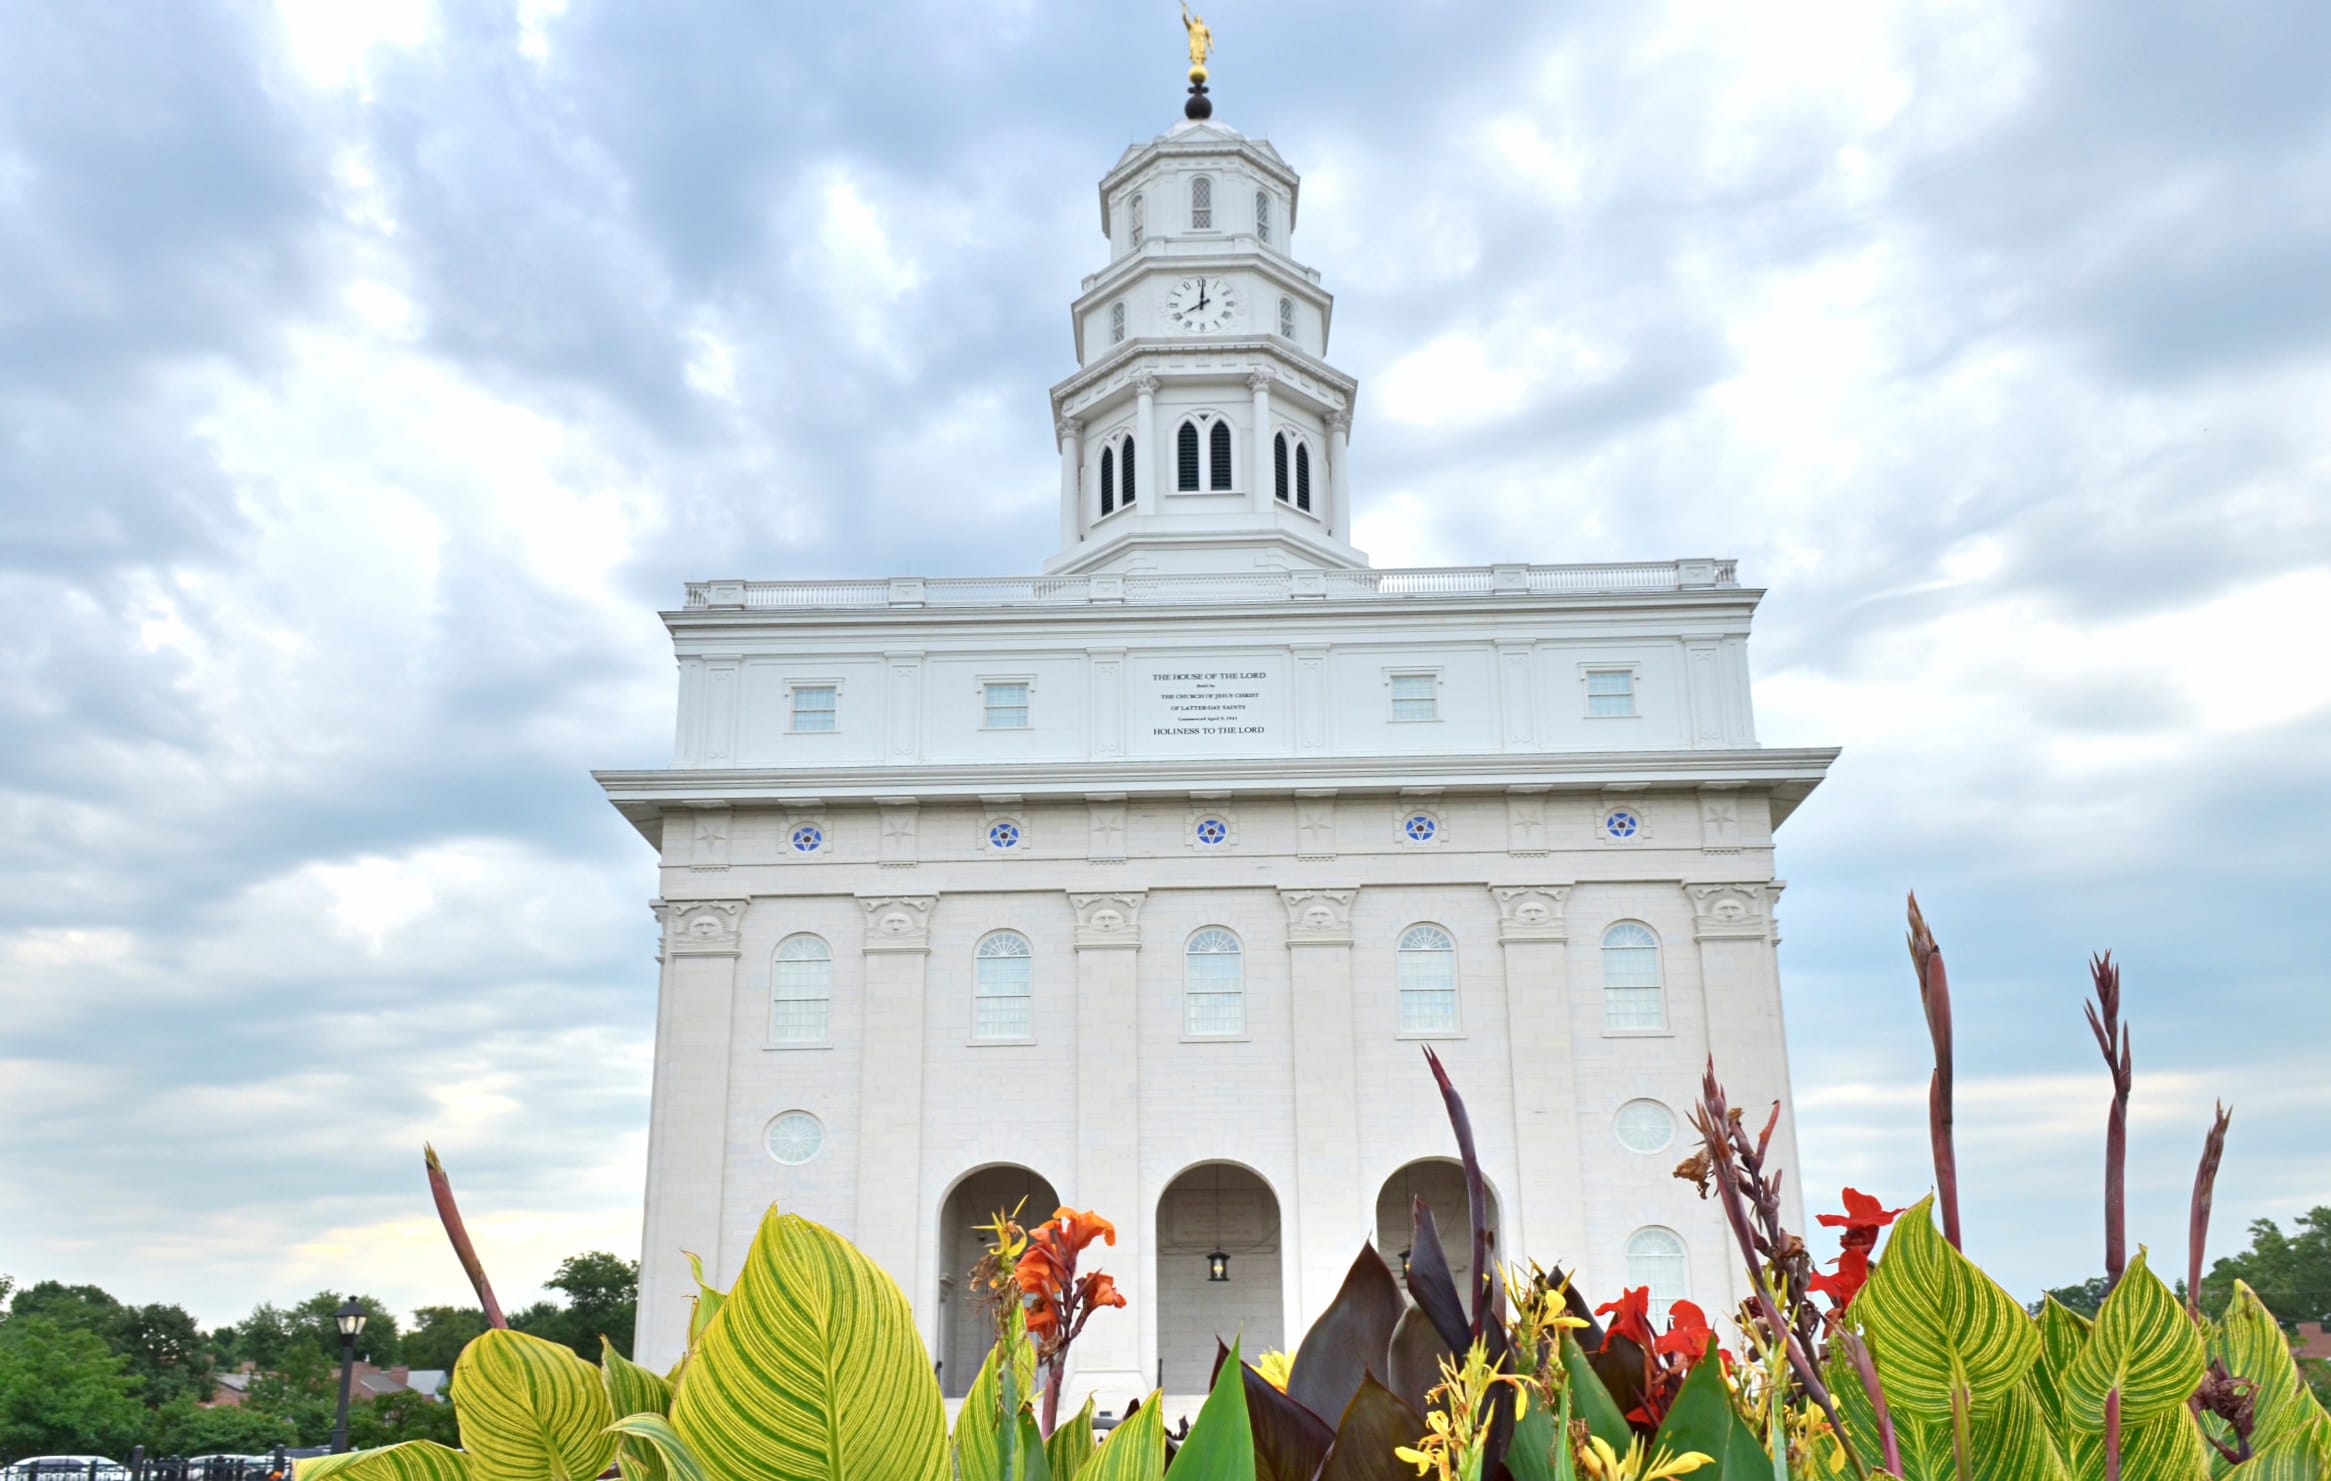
<point x="1945" y="1336"/>
<point x="978" y="1455"/>
<point x="530" y="1410"/>
<point x="1071" y="1444"/>
<point x="1221" y="1443"/>
<point x="2143" y="1348"/>
<point x="1135" y="1450"/>
<point x="2009" y="1441"/>
<point x="1029" y="1462"/>
<point x="2063" y="1333"/>
<point x="1591" y="1401"/>
<point x="707" y="1303"/>
<point x="2251" y="1344"/>
<point x="2300" y="1453"/>
<point x="2166" y="1447"/>
<point x="654" y="1433"/>
<point x="414" y="1460"/>
<point x="812" y="1371"/>
<point x="631" y="1390"/>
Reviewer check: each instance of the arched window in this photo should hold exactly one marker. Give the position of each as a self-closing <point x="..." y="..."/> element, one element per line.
<point x="1279" y="465"/>
<point x="1125" y="471"/>
<point x="1186" y="458"/>
<point x="1135" y="214"/>
<point x="1632" y="995"/>
<point x="1286" y="318"/>
<point x="1262" y="216"/>
<point x="799" y="991"/>
<point x="1202" y="203"/>
<point x="1213" y="984"/>
<point x="1302" y="476"/>
<point x="1108" y="478"/>
<point x="1218" y="456"/>
<point x="1001" y="979"/>
<point x="1117" y="323"/>
<point x="1655" y="1258"/>
<point x="1428" y="981"/>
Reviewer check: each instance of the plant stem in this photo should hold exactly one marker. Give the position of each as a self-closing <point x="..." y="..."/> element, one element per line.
<point x="2112" y="1036"/>
<point x="441" y="1189"/>
<point x="1859" y="1351"/>
<point x="2197" y="1228"/>
<point x="1934" y="994"/>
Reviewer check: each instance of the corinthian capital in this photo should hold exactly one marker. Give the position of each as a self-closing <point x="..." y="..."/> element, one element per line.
<point x="1339" y="421"/>
<point x="700" y="927"/>
<point x="1145" y="384"/>
<point x="1260" y="379"/>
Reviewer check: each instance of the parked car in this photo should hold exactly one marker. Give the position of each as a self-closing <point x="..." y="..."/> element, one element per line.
<point x="65" y="1468"/>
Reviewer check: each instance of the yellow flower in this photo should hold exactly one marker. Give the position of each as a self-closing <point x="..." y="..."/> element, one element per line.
<point x="1275" y="1366"/>
<point x="1601" y="1463"/>
<point x="1417" y="1458"/>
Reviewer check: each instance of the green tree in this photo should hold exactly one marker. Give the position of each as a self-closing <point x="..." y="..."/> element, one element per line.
<point x="166" y="1353"/>
<point x="63" y="1391"/>
<point x="440" y="1333"/>
<point x="602" y="1297"/>
<point x="183" y="1427"/>
<point x="377" y="1344"/>
<point x="2084" y="1298"/>
<point x="2291" y="1273"/>
<point x="87" y="1308"/>
<point x="392" y="1418"/>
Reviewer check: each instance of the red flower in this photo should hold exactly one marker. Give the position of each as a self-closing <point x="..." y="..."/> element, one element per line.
<point x="1687" y="1333"/>
<point x="1853" y="1271"/>
<point x="1861" y="1221"/>
<point x="1098" y="1288"/>
<point x="1630" y="1318"/>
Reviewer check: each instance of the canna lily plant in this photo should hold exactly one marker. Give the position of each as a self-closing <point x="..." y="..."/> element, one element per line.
<point x="1899" y="1360"/>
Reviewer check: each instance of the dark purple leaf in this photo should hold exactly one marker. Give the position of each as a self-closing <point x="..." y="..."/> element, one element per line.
<point x="1415" y="1360"/>
<point x="1432" y="1287"/>
<point x="1375" y="1421"/>
<point x="1483" y="1297"/>
<point x="1290" y="1441"/>
<point x="1619" y="1364"/>
<point x="1351" y="1338"/>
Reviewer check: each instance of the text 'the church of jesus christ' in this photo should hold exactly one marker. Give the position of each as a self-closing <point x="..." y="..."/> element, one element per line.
<point x="1137" y="885"/>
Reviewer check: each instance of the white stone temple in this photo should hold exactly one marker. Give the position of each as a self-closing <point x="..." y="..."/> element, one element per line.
<point x="1137" y="885"/>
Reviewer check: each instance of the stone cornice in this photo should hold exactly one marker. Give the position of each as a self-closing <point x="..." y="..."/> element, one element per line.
<point x="1220" y="357"/>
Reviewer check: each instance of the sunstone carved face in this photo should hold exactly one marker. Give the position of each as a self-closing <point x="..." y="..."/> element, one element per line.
<point x="704" y="925"/>
<point x="897" y="923"/>
<point x="1532" y="912"/>
<point x="1318" y="916"/>
<point x="1108" y="918"/>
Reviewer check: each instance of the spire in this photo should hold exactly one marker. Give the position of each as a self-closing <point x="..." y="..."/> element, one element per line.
<point x="1201" y="46"/>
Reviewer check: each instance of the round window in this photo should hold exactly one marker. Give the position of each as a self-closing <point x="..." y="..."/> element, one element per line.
<point x="794" y="1137"/>
<point x="808" y="838"/>
<point x="1645" y="1126"/>
<point x="1420" y="827"/>
<point x="1212" y="831"/>
<point x="1620" y="823"/>
<point x="1003" y="835"/>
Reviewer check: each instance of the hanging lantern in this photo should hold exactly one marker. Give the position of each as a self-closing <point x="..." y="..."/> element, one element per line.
<point x="1217" y="1265"/>
<point x="1404" y="1254"/>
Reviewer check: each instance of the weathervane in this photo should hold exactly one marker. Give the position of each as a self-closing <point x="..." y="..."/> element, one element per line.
<point x="1201" y="47"/>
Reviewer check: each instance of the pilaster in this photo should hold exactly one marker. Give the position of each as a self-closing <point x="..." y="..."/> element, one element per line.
<point x="1108" y="1358"/>
<point x="1260" y="494"/>
<point x="1740" y="987"/>
<point x="1533" y="934"/>
<point x="688" y="1119"/>
<point x="1332" y="1211"/>
<point x="896" y="950"/>
<point x="1339" y="474"/>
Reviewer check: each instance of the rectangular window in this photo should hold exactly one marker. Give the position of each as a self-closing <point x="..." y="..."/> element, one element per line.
<point x="1416" y="697"/>
<point x="1007" y="706"/>
<point x="1610" y="692"/>
<point x="797" y="1015"/>
<point x="813" y="708"/>
<point x="1116" y="323"/>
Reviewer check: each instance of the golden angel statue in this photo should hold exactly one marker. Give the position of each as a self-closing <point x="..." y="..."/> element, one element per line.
<point x="1201" y="38"/>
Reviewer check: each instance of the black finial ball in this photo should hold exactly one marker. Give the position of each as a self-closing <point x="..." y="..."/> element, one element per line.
<point x="1199" y="106"/>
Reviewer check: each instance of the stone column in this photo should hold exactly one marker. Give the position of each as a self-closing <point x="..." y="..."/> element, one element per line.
<point x="1550" y="1215"/>
<point x="1740" y="986"/>
<point x="1260" y="496"/>
<point x="1339" y="474"/>
<point x="890" y="1099"/>
<point x="1332" y="1212"/>
<point x="1149" y="460"/>
<point x="1108" y="1359"/>
<point x="1073" y="516"/>
<point x="688" y="1128"/>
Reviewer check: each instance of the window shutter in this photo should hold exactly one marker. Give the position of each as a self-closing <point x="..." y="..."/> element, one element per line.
<point x="1202" y="203"/>
<point x="1279" y="466"/>
<point x="1218" y="456"/>
<point x="1126" y="468"/>
<point x="1186" y="458"/>
<point x="1262" y="216"/>
<point x="1302" y="476"/>
<point x="1108" y="479"/>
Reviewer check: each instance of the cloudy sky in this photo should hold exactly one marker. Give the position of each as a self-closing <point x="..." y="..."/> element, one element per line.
<point x="369" y="375"/>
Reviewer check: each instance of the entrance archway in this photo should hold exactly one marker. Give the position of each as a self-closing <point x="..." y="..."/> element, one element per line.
<point x="965" y="1332"/>
<point x="1441" y="1184"/>
<point x="1215" y="1207"/>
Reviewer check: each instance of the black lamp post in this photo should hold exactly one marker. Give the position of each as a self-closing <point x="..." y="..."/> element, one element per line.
<point x="350" y="1319"/>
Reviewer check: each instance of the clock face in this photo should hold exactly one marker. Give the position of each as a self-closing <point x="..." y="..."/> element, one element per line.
<point x="1203" y="305"/>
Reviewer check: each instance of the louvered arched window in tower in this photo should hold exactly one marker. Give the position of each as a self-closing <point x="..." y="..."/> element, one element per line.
<point x="1279" y="466"/>
<point x="1286" y="318"/>
<point x="1263" y="216"/>
<point x="1202" y="203"/>
<point x="1117" y="323"/>
<point x="1218" y="461"/>
<point x="1125" y="482"/>
<point x="1108" y="479"/>
<point x="1186" y="458"/>
<point x="1135" y="214"/>
<point x="1303" y="476"/>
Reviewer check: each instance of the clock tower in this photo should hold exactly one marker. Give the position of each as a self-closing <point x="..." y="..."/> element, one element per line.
<point x="1204" y="429"/>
